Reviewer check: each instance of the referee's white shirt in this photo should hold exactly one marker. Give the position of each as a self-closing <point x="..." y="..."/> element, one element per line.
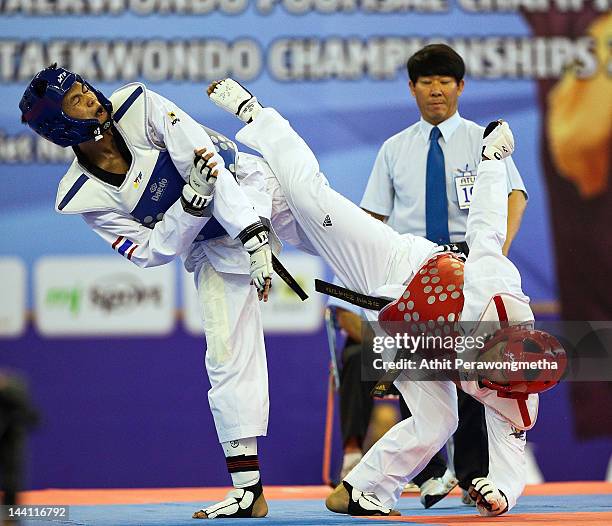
<point x="396" y="187"/>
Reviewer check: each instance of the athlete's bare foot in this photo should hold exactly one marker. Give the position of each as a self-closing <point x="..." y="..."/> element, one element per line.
<point x="337" y="501"/>
<point x="212" y="87"/>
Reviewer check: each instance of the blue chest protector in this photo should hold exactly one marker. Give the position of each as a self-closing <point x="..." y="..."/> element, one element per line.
<point x="165" y="184"/>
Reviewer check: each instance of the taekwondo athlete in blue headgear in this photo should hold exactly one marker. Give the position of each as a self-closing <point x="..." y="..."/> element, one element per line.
<point x="137" y="183"/>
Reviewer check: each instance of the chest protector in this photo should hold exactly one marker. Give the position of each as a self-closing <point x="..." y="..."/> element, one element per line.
<point x="152" y="183"/>
<point x="432" y="302"/>
<point x="431" y="305"/>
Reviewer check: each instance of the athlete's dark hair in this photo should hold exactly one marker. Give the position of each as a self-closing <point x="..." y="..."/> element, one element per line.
<point x="436" y="59"/>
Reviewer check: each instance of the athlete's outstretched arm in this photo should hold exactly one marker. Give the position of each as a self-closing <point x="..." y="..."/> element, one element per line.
<point x="148" y="247"/>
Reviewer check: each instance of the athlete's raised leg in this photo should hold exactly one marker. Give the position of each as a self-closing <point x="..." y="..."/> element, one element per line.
<point x="487" y="271"/>
<point x="363" y="252"/>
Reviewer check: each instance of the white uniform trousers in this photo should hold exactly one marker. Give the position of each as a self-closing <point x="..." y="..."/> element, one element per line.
<point x="363" y="252"/>
<point x="235" y="355"/>
<point x="401" y="453"/>
<point x="368" y="256"/>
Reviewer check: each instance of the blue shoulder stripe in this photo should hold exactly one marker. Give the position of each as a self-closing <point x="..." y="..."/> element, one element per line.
<point x="72" y="192"/>
<point x="126" y="105"/>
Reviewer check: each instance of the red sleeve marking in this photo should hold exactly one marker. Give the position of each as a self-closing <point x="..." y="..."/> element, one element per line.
<point x="501" y="311"/>
<point x="131" y="251"/>
<point x="524" y="412"/>
<point x="117" y="242"/>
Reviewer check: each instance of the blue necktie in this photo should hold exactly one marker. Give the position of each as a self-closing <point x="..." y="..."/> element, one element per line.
<point x="436" y="206"/>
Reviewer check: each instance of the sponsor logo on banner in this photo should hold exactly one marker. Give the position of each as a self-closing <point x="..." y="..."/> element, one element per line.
<point x="103" y="295"/>
<point x="284" y="312"/>
<point x="13" y="304"/>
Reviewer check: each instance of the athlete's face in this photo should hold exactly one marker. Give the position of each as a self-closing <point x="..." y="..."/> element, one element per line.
<point x="494" y="354"/>
<point x="437" y="97"/>
<point x="82" y="103"/>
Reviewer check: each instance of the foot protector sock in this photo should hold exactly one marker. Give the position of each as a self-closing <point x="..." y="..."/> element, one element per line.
<point x="238" y="503"/>
<point x="364" y="504"/>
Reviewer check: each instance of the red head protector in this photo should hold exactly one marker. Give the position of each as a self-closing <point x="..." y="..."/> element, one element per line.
<point x="524" y="347"/>
<point x="432" y="301"/>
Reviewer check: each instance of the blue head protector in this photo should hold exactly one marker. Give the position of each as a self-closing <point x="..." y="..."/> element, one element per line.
<point x="41" y="108"/>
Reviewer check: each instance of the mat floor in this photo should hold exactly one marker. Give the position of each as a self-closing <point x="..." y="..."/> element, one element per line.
<point x="584" y="504"/>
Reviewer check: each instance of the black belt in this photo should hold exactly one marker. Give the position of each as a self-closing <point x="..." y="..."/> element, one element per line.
<point x="350" y="296"/>
<point x="284" y="274"/>
<point x="462" y="246"/>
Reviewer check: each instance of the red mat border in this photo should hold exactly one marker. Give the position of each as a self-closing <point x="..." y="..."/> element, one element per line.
<point x="157" y="495"/>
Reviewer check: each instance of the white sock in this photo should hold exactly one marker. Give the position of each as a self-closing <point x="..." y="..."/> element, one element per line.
<point x="242" y="461"/>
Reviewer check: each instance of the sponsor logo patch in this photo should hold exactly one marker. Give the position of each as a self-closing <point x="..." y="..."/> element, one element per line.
<point x="157" y="189"/>
<point x="518" y="433"/>
<point x="137" y="180"/>
<point x="173" y="118"/>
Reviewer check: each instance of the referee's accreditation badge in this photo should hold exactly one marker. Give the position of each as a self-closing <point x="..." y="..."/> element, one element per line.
<point x="464" y="185"/>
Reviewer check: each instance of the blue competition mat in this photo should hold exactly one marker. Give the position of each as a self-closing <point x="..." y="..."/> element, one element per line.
<point x="313" y="513"/>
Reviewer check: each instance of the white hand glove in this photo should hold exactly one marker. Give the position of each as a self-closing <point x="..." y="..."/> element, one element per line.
<point x="261" y="266"/>
<point x="195" y="203"/>
<point x="498" y="141"/>
<point x="489" y="500"/>
<point x="203" y="176"/>
<point x="255" y="241"/>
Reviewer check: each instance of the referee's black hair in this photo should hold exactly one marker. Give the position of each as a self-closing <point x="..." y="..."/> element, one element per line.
<point x="436" y="59"/>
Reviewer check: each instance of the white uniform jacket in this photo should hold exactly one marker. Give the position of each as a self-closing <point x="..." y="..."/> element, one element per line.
<point x="143" y="219"/>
